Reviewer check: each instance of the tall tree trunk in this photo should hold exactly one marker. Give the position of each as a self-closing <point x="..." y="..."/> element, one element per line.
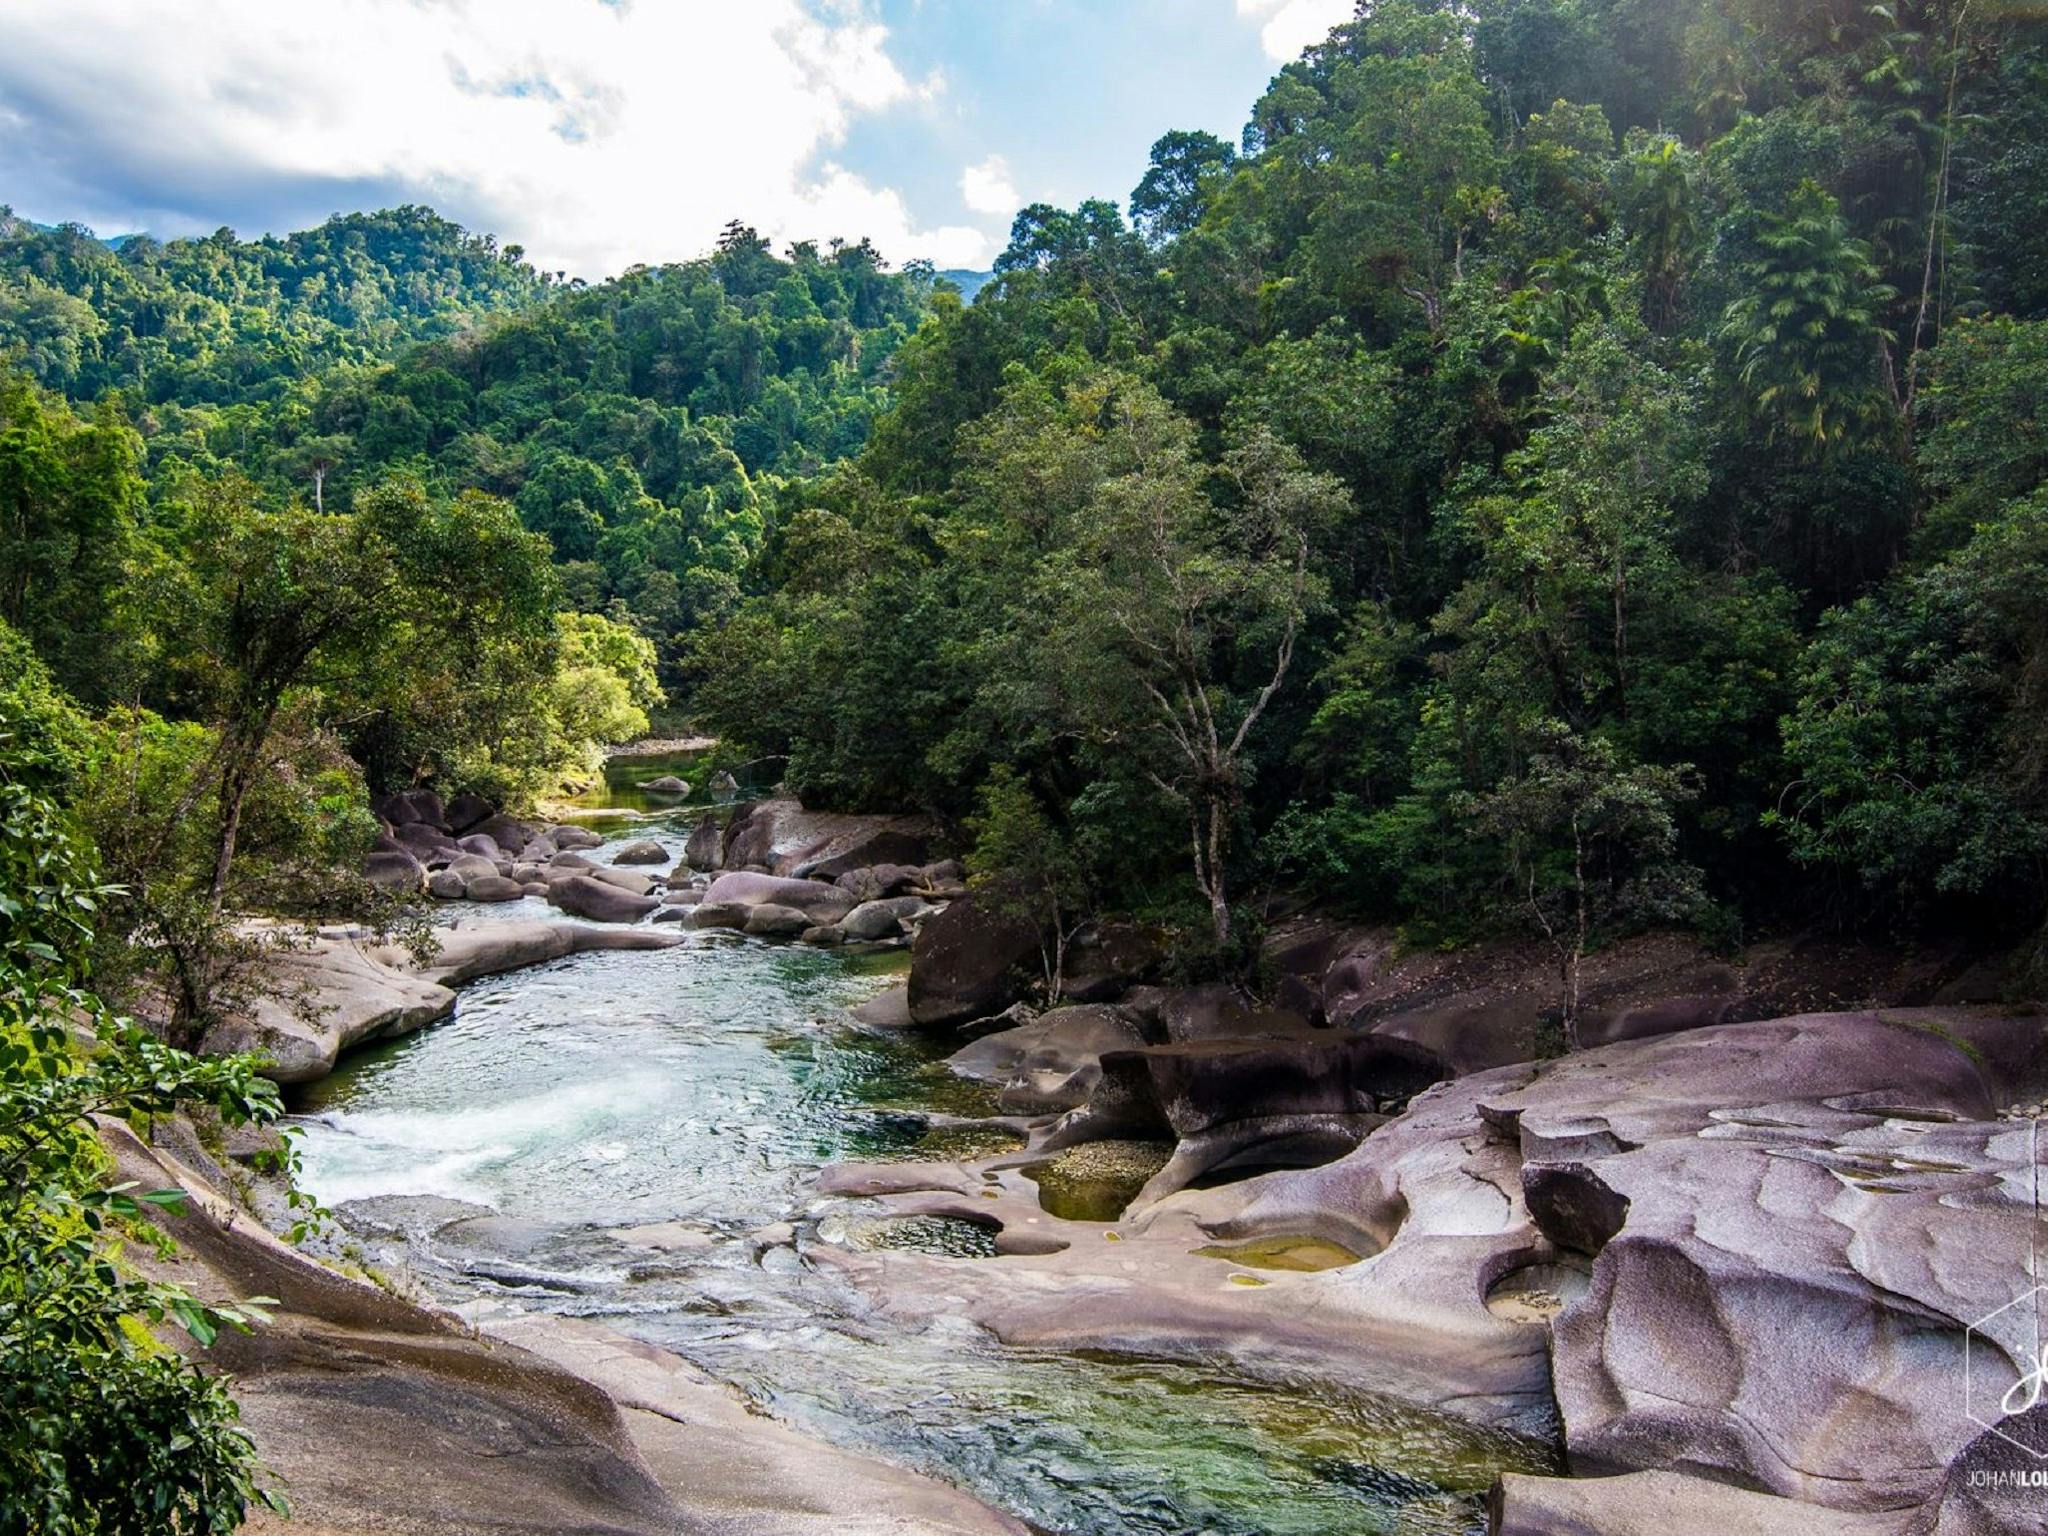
<point x="238" y="772"/>
<point x="1578" y="949"/>
<point x="1219" y="898"/>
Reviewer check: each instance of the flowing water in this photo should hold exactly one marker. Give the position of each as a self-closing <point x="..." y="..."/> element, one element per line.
<point x="701" y="1087"/>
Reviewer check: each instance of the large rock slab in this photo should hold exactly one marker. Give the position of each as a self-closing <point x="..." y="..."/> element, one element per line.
<point x="969" y="962"/>
<point x="737" y="1470"/>
<point x="599" y="900"/>
<point x="1787" y="1227"/>
<point x="378" y="1416"/>
<point x="1053" y="1062"/>
<point x="821" y="902"/>
<point x="1661" y="1504"/>
<point x="784" y="838"/>
<point x="1291" y="1098"/>
<point x="340" y="987"/>
<point x="1490" y="1005"/>
<point x="374" y="1415"/>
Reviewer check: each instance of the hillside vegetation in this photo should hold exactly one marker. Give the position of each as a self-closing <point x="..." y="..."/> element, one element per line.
<point x="1576" y="464"/>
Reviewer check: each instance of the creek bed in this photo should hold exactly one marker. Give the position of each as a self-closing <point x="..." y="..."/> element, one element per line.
<point x="696" y="1091"/>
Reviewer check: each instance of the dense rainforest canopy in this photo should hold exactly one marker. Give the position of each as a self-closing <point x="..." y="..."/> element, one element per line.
<point x="1575" y="464"/>
<point x="1573" y="461"/>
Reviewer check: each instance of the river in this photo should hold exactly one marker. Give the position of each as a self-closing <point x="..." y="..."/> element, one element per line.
<point x="701" y="1088"/>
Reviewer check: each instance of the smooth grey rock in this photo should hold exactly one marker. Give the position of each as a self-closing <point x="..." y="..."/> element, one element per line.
<point x="702" y="849"/>
<point x="508" y="833"/>
<point x="1662" y="1504"/>
<point x="398" y="871"/>
<point x="876" y="881"/>
<point x="585" y="897"/>
<point x="495" y="888"/>
<point x="1051" y="1063"/>
<point x="880" y="919"/>
<point x="972" y="960"/>
<point x="667" y="784"/>
<point x="822" y="903"/>
<point x="886" y="1010"/>
<point x="446" y="885"/>
<point x="771" y="921"/>
<point x="426" y="841"/>
<point x="644" y="851"/>
<point x="465" y="812"/>
<point x="624" y="880"/>
<point x="719" y="914"/>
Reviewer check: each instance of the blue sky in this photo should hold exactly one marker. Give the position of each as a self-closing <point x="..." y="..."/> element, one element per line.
<point x="602" y="132"/>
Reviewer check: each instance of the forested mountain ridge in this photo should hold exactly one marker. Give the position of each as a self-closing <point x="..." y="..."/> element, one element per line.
<point x="636" y="423"/>
<point x="218" y="321"/>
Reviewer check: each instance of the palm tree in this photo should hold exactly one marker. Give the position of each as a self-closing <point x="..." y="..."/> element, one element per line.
<point x="1807" y="336"/>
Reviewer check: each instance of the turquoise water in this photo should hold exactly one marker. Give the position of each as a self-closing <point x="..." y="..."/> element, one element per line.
<point x="706" y="1085"/>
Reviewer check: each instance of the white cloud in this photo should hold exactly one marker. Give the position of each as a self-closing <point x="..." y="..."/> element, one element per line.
<point x="596" y="134"/>
<point x="989" y="187"/>
<point x="1288" y="26"/>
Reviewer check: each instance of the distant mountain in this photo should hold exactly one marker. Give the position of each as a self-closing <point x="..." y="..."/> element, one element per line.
<point x="219" y="321"/>
<point x="10" y="222"/>
<point x="968" y="282"/>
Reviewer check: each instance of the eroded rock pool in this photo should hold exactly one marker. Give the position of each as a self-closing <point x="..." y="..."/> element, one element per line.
<point x="622" y="1137"/>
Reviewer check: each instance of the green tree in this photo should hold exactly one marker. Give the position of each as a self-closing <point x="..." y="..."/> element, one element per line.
<point x="1168" y="596"/>
<point x="1806" y="333"/>
<point x="1183" y="168"/>
<point x="1026" y="865"/>
<point x="1590" y="842"/>
<point x="70" y="499"/>
<point x="102" y="1427"/>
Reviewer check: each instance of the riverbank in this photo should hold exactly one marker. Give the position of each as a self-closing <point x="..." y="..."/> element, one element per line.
<point x="1740" y="1245"/>
<point x="373" y="1413"/>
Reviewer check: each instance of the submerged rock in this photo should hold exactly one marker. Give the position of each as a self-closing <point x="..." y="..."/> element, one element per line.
<point x="1097" y="1181"/>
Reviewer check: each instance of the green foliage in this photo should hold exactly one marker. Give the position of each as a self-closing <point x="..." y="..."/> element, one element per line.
<point x="70" y="497"/>
<point x="1590" y="845"/>
<point x="1806" y="336"/>
<point x="217" y="321"/>
<point x="1027" y="866"/>
<point x="103" y="1429"/>
<point x="1531" y="364"/>
<point x="1606" y="329"/>
<point x="1919" y="734"/>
